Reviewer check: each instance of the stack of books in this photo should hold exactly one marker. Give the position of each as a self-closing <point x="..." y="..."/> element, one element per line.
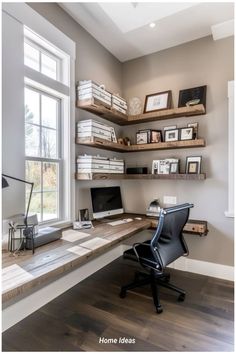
<point x="99" y="164"/>
<point x="88" y="89"/>
<point x="119" y="104"/>
<point x="91" y="128"/>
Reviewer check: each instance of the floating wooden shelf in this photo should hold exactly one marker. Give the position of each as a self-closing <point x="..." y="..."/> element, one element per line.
<point x="106" y="145"/>
<point x="112" y="115"/>
<point x="167" y="114"/>
<point x="101" y="144"/>
<point x="105" y="176"/>
<point x="192" y="226"/>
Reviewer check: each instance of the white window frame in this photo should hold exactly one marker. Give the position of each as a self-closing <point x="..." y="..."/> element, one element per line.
<point x="47" y="48"/>
<point x="57" y="160"/>
<point x="65" y="47"/>
<point x="42" y="50"/>
<point x="40" y="82"/>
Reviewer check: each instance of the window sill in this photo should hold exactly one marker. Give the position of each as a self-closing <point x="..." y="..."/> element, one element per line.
<point x="60" y="224"/>
<point x="229" y="214"/>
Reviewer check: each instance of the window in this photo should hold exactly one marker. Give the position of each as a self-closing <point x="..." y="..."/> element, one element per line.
<point x="41" y="60"/>
<point x="48" y="123"/>
<point x="42" y="149"/>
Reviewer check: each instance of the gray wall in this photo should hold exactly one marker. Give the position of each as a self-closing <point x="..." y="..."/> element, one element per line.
<point x="196" y="63"/>
<point x="201" y="62"/>
<point x="13" y="147"/>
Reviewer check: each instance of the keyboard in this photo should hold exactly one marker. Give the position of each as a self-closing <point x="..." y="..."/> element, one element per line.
<point x="119" y="222"/>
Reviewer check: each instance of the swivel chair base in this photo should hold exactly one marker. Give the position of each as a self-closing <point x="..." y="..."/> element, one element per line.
<point x="142" y="279"/>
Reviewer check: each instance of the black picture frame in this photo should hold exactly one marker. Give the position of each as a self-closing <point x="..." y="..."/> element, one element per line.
<point x="142" y="138"/>
<point x="193" y="167"/>
<point x="190" y="159"/>
<point x="83" y="214"/>
<point x="191" y="94"/>
<point x="156" y="136"/>
<point x="181" y="132"/>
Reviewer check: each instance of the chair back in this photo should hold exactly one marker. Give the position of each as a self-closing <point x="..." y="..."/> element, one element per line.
<point x="168" y="243"/>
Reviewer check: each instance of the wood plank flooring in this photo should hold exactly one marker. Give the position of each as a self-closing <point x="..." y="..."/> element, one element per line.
<point x="92" y="310"/>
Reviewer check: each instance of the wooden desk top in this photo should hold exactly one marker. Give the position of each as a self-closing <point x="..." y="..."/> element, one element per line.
<point x="26" y="271"/>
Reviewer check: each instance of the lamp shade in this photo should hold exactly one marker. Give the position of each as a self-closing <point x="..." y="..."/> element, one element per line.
<point x="4" y="183"/>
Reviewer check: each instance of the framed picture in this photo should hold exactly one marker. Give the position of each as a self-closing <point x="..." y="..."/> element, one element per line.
<point x="157" y="101"/>
<point x="174" y="167"/>
<point x="186" y="133"/>
<point x="142" y="138"/>
<point x="193" y="167"/>
<point x="171" y="135"/>
<point x="195" y="129"/>
<point x="170" y="127"/>
<point x="192" y="96"/>
<point x="83" y="214"/>
<point x="155" y="167"/>
<point x="148" y="132"/>
<point x="156" y="136"/>
<point x="164" y="167"/>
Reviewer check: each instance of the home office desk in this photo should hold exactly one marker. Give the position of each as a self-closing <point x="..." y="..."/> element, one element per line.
<point x="30" y="281"/>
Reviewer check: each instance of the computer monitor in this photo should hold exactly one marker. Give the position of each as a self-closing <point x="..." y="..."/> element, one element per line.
<point x="106" y="201"/>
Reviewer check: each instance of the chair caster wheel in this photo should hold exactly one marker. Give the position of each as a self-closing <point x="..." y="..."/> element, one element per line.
<point x="159" y="309"/>
<point x="181" y="297"/>
<point x="122" y="294"/>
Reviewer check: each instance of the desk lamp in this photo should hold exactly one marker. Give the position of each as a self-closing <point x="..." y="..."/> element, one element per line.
<point x="5" y="184"/>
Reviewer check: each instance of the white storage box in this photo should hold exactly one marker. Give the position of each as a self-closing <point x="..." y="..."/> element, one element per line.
<point x="96" y="164"/>
<point x="119" y="101"/>
<point x="119" y="104"/>
<point x="89" y="89"/>
<point x="90" y="128"/>
<point x="119" y="109"/>
<point x="99" y="164"/>
<point x="117" y="166"/>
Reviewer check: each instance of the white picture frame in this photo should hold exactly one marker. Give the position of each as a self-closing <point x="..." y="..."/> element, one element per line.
<point x="171" y="135"/>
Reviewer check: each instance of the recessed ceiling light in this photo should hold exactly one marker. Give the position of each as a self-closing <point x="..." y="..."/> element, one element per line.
<point x="152" y="25"/>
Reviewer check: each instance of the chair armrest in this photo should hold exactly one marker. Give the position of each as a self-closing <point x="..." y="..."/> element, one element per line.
<point x="138" y="244"/>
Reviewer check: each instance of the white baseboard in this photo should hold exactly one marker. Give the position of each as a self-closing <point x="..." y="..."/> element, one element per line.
<point x="205" y="268"/>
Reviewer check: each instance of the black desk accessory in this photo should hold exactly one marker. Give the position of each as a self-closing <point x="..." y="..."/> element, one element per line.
<point x="136" y="170"/>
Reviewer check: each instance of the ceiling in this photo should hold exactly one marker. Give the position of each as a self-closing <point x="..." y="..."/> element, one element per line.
<point x="123" y="28"/>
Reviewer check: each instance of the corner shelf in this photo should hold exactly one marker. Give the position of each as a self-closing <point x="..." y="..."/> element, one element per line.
<point x="93" y="106"/>
<point x="110" y="114"/>
<point x="119" y="176"/>
<point x="106" y="145"/>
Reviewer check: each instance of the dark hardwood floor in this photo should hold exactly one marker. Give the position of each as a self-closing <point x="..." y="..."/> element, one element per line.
<point x="93" y="311"/>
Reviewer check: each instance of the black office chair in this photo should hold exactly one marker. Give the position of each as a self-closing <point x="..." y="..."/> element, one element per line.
<point x="166" y="245"/>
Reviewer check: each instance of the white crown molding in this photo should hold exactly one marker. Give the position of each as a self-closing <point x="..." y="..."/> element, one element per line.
<point x="223" y="30"/>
